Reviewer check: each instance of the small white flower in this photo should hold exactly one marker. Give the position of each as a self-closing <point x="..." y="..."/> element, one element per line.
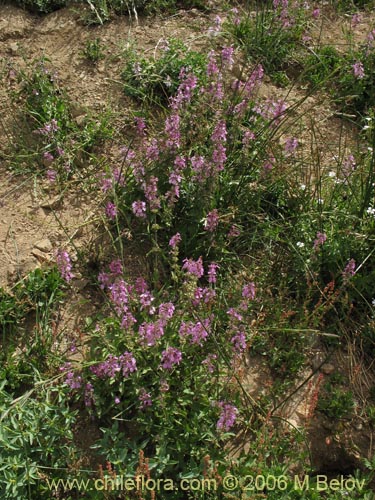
<point x="303" y="187"/>
<point x="331" y="174"/>
<point x="371" y="211"/>
<point x="373" y="302"/>
<point x="300" y="244"/>
<point x="320" y="201"/>
<point x="366" y="127"/>
<point x="369" y="149"/>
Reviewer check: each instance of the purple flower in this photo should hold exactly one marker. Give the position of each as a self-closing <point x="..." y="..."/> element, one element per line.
<point x="205" y="294"/>
<point x="105" y="184"/>
<point x="175" y="240"/>
<point x="151" y="192"/>
<point x="104" y="280"/>
<point x="227" y="417"/>
<point x="219" y="157"/>
<point x="166" y="311"/>
<point x="48" y="128"/>
<point x="51" y="175"/>
<point x="139" y="209"/>
<point x="239" y="341"/>
<point x="291" y="145"/>
<point x="220" y="133"/>
<point x="234" y="232"/>
<point x="141" y="285"/>
<point x="64" y="265"/>
<point x="349" y="270"/>
<point x="73" y="381"/>
<point x="149" y="333"/>
<point x="48" y="157"/>
<point x="194" y="267"/>
<point x="316" y="13"/>
<point x="128" y="363"/>
<point x="185" y="89"/>
<point x="199" y="166"/>
<point x="235" y="315"/>
<point x="146" y="299"/>
<point x="120" y="291"/>
<point x="128" y="321"/>
<point x="152" y="150"/>
<point x="198" y="332"/>
<point x="247" y="137"/>
<point x="108" y="368"/>
<point x="358" y="70"/>
<point x="145" y="398"/>
<point x="227" y="57"/>
<point x="356" y="19"/>
<point x="60" y="151"/>
<point x="212" y="221"/>
<point x="89" y="395"/>
<point x="234" y="15"/>
<point x="141" y="125"/>
<point x="248" y="291"/>
<point x="116" y="267"/>
<point x="211" y="273"/>
<point x="268" y="165"/>
<point x="321" y="238"/>
<point x="208" y="362"/>
<point x="172" y="129"/>
<point x="212" y="68"/>
<point x="171" y="356"/>
<point x="111" y="210"/>
<point x="213" y="30"/>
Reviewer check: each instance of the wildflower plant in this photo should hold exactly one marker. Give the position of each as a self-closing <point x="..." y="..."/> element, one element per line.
<point x="51" y="137"/>
<point x="348" y="76"/>
<point x="272" y="36"/>
<point x="162" y="364"/>
<point x="158" y="78"/>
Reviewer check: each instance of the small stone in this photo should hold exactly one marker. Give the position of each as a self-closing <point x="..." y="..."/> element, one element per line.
<point x="101" y="67"/>
<point x="77" y="110"/>
<point x="11" y="271"/>
<point x="80" y="120"/>
<point x="80" y="284"/>
<point x="317" y="361"/>
<point x="52" y="203"/>
<point x="327" y="369"/>
<point x="44" y="245"/>
<point x="41" y="256"/>
<point x="13" y="48"/>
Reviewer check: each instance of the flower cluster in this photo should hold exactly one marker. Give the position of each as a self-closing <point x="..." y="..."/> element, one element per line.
<point x="170" y="357"/>
<point x="227" y="417"/>
<point x="126" y="364"/>
<point x="64" y="265"/>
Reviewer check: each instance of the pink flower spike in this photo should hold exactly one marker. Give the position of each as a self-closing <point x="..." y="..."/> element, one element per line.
<point x="64" y="265"/>
<point x="111" y="210"/>
<point x="358" y="70"/>
<point x="139" y="209"/>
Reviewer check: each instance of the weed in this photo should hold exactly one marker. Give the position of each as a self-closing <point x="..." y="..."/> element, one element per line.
<point x="335" y="402"/>
<point x="93" y="51"/>
<point x="156" y="80"/>
<point x="271" y="37"/>
<point x="52" y="140"/>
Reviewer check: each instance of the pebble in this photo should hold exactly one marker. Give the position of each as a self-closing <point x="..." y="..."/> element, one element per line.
<point x="327" y="369"/>
<point x="44" y="245"/>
